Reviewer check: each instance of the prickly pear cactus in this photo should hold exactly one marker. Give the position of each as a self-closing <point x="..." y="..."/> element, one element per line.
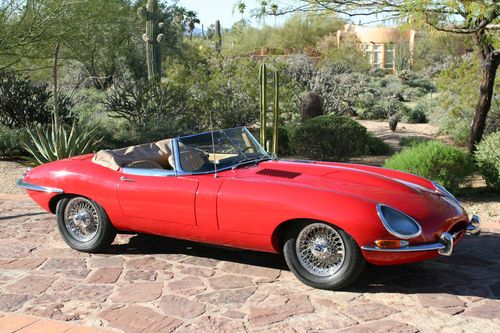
<point x="152" y="37"/>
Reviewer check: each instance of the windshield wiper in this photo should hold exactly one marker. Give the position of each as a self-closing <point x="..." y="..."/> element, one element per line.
<point x="251" y="160"/>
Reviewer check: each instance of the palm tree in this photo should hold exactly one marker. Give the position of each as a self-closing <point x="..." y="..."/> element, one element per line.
<point x="180" y="15"/>
<point x="192" y="20"/>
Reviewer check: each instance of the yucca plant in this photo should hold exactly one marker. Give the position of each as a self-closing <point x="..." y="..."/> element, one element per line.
<point x="47" y="144"/>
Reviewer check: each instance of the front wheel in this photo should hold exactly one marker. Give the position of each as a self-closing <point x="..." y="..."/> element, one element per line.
<point x="84" y="225"/>
<point x="322" y="256"/>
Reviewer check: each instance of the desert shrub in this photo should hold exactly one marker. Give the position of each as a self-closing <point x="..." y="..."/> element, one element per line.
<point x="383" y="109"/>
<point x="434" y="160"/>
<point x="330" y="138"/>
<point x="416" y="115"/>
<point x="152" y="111"/>
<point x="335" y="83"/>
<point x="422" y="83"/>
<point x="487" y="158"/>
<point x="10" y="139"/>
<point x="22" y="101"/>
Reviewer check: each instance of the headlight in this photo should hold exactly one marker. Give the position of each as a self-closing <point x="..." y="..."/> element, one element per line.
<point x="445" y="192"/>
<point x="398" y="223"/>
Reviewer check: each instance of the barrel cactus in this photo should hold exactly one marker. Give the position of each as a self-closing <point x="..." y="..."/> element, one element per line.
<point x="393" y="122"/>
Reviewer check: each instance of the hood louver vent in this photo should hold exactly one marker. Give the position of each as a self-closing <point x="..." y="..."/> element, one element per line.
<point x="278" y="173"/>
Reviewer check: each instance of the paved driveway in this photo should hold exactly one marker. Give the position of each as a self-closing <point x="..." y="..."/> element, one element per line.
<point x="152" y="284"/>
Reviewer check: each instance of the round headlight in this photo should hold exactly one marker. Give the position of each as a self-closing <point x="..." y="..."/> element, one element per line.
<point x="398" y="223"/>
<point x="445" y="192"/>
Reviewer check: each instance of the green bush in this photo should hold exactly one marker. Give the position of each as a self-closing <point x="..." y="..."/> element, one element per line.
<point x="377" y="146"/>
<point x="10" y="142"/>
<point x="435" y="161"/>
<point x="488" y="159"/>
<point x="408" y="141"/>
<point x="330" y="138"/>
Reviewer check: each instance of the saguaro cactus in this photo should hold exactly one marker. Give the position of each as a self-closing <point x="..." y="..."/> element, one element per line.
<point x="263" y="103"/>
<point x="218" y="38"/>
<point x="276" y="112"/>
<point x="263" y="108"/>
<point x="152" y="38"/>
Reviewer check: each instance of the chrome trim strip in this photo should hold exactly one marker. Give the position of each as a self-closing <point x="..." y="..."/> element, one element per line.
<point x="414" y="248"/>
<point x="149" y="172"/>
<point x="442" y="190"/>
<point x="33" y="187"/>
<point x="388" y="227"/>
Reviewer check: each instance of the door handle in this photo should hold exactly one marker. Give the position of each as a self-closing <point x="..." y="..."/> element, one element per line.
<point x="125" y="179"/>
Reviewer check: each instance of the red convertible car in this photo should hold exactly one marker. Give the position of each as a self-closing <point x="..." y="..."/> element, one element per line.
<point x="222" y="188"/>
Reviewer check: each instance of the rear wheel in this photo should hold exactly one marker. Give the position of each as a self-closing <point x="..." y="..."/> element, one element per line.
<point x="83" y="224"/>
<point x="322" y="256"/>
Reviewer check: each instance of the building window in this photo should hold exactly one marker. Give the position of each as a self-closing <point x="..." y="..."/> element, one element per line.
<point x="377" y="55"/>
<point x="389" y="56"/>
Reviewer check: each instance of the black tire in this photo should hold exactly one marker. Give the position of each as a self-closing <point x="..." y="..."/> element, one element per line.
<point x="99" y="239"/>
<point x="347" y="271"/>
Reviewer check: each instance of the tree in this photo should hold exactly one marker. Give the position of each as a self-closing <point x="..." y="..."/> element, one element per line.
<point x="192" y="20"/>
<point x="477" y="18"/>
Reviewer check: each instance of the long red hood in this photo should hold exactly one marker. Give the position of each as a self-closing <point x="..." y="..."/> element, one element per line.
<point x="410" y="194"/>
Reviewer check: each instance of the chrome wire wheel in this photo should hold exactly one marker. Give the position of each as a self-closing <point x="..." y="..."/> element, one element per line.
<point x="320" y="249"/>
<point x="81" y="219"/>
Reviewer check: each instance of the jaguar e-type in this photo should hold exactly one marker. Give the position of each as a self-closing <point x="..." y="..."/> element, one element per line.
<point x="222" y="188"/>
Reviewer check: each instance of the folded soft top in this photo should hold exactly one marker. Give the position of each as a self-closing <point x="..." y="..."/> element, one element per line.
<point x="158" y="152"/>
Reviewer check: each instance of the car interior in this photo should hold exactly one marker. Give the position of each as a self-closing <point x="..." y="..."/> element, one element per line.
<point x="156" y="155"/>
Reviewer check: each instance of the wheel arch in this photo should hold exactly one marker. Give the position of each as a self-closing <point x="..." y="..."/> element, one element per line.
<point x="277" y="237"/>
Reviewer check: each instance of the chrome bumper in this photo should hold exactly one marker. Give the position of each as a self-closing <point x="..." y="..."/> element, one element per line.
<point x="444" y="246"/>
<point x="33" y="187"/>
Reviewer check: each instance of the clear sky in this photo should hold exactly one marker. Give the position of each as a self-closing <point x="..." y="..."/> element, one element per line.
<point x="211" y="10"/>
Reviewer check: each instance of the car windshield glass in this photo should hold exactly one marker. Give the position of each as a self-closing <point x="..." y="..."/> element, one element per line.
<point x="233" y="147"/>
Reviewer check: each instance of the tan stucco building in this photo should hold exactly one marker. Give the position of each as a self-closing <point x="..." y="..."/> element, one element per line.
<point x="379" y="43"/>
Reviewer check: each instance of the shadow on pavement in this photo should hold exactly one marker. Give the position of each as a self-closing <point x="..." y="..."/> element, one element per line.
<point x="472" y="270"/>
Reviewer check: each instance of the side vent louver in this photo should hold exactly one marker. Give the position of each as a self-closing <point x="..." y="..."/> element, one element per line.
<point x="278" y="173"/>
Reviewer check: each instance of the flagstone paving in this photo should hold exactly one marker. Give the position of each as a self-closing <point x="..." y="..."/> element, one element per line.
<point x="153" y="284"/>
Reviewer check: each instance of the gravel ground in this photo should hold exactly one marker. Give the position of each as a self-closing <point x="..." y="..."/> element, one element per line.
<point x="10" y="172"/>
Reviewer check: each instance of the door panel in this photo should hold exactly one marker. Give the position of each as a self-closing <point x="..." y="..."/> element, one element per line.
<point x="167" y="198"/>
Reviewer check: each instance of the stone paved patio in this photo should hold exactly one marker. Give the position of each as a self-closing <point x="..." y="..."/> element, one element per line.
<point x="152" y="284"/>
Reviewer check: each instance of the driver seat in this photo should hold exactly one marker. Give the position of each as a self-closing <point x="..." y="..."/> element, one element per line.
<point x="192" y="160"/>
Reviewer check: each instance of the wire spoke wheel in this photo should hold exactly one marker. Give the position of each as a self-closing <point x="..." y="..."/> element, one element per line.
<point x="81" y="219"/>
<point x="320" y="249"/>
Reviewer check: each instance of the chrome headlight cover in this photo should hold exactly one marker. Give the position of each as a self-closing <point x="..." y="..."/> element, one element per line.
<point x="445" y="192"/>
<point x="391" y="217"/>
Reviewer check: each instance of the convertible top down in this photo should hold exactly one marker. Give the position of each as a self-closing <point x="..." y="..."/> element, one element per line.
<point x="222" y="188"/>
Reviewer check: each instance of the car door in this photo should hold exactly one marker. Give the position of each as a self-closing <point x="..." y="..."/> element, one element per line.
<point x="168" y="199"/>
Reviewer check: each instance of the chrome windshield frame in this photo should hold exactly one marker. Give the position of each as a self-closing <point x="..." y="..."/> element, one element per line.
<point x="175" y="150"/>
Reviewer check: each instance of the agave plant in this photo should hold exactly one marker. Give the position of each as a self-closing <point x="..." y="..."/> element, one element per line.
<point x="56" y="142"/>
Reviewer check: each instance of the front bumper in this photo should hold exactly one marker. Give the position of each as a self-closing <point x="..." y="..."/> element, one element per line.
<point x="444" y="246"/>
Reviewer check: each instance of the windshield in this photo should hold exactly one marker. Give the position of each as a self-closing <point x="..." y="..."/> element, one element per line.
<point x="233" y="147"/>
